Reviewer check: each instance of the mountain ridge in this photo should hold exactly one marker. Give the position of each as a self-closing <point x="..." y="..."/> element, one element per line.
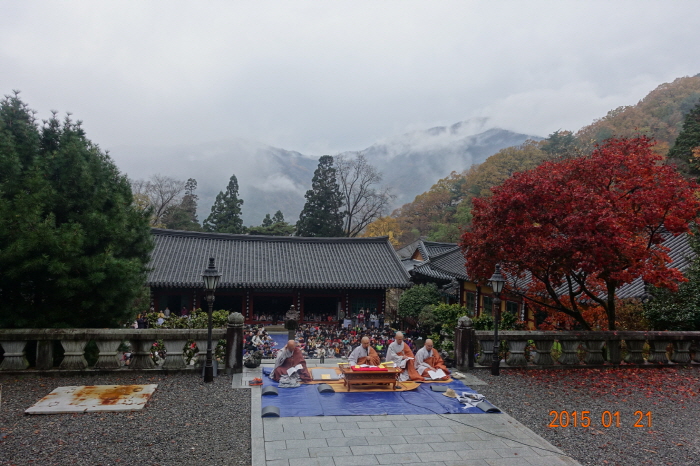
<point x="272" y="178"/>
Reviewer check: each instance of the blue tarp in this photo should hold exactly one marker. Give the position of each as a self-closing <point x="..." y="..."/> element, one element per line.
<point x="280" y="338"/>
<point x="307" y="401"/>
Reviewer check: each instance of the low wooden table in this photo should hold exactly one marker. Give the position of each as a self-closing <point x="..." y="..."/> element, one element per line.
<point x="351" y="377"/>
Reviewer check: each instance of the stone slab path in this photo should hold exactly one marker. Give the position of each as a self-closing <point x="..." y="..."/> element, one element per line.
<point x="438" y="440"/>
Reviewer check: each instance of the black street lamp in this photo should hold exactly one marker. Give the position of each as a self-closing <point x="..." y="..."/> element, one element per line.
<point x="496" y="282"/>
<point x="211" y="279"/>
<point x="647" y="297"/>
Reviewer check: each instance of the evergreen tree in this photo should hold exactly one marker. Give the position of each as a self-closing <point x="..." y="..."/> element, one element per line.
<point x="278" y="217"/>
<point x="267" y="221"/>
<point x="561" y="144"/>
<point x="73" y="248"/>
<point x="183" y="216"/>
<point x="322" y="215"/>
<point x="686" y="150"/>
<point x="275" y="226"/>
<point x="225" y="216"/>
<point x="678" y="310"/>
<point x="417" y="298"/>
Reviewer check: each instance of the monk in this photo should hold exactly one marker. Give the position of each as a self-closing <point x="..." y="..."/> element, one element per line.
<point x="428" y="359"/>
<point x="399" y="352"/>
<point x="364" y="354"/>
<point x="288" y="357"/>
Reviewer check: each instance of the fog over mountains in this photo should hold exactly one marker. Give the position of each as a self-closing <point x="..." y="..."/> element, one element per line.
<point x="272" y="178"/>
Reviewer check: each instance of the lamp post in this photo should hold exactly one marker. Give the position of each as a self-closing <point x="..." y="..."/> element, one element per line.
<point x="647" y="297"/>
<point x="496" y="281"/>
<point x="211" y="279"/>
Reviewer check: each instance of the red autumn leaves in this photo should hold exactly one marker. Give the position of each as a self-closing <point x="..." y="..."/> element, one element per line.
<point x="583" y="227"/>
<point x="671" y="384"/>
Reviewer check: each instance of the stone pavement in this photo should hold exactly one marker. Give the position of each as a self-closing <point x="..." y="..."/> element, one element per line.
<point x="439" y="440"/>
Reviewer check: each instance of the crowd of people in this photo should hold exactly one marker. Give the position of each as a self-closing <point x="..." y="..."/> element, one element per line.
<point x="257" y="339"/>
<point x="333" y="341"/>
<point x="154" y="318"/>
<point x="325" y="340"/>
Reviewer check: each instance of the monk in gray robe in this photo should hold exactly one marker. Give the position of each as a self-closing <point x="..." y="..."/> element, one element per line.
<point x="364" y="354"/>
<point x="399" y="352"/>
<point x="428" y="359"/>
<point x="288" y="357"/>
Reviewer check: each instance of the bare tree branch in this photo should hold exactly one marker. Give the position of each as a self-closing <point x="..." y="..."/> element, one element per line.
<point x="364" y="200"/>
<point x="161" y="191"/>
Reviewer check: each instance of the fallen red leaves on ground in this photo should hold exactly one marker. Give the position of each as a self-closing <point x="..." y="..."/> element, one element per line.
<point x="674" y="384"/>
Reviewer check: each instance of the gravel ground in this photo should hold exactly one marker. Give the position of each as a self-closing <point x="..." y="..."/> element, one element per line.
<point x="669" y="394"/>
<point x="185" y="422"/>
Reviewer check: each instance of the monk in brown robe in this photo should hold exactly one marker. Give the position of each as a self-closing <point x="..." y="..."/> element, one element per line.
<point x="364" y="354"/>
<point x="399" y="352"/>
<point x="288" y="357"/>
<point x="428" y="359"/>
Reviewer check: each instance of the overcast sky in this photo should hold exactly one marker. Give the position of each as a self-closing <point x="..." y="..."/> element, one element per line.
<point x="323" y="77"/>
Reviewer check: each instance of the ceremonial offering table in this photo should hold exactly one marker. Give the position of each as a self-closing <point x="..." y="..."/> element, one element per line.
<point x="369" y="376"/>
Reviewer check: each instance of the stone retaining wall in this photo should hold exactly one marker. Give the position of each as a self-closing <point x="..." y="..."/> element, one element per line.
<point x="14" y="344"/>
<point x="587" y="348"/>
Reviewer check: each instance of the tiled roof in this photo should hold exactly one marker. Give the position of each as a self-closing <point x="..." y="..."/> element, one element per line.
<point x="681" y="255"/>
<point x="407" y="251"/>
<point x="450" y="263"/>
<point x="427" y="249"/>
<point x="433" y="248"/>
<point x="426" y="270"/>
<point x="680" y="252"/>
<point x="410" y="264"/>
<point x="445" y="261"/>
<point x="247" y="261"/>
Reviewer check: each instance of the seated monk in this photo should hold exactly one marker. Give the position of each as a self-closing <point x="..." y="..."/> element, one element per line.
<point x="364" y="354"/>
<point x="288" y="357"/>
<point x="428" y="359"/>
<point x="399" y="352"/>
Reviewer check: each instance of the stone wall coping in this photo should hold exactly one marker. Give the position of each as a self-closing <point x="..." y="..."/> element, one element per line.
<point x="108" y="334"/>
<point x="587" y="335"/>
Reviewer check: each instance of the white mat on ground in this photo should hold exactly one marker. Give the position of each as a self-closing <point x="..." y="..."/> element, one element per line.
<point x="94" y="399"/>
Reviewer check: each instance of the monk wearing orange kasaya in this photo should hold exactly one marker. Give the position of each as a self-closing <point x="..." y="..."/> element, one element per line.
<point x="399" y="352"/>
<point x="428" y="359"/>
<point x="364" y="354"/>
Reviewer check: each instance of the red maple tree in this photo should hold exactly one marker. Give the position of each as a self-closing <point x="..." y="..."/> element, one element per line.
<point x="583" y="227"/>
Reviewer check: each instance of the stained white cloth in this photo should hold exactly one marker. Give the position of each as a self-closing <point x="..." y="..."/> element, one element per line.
<point x="471" y="399"/>
<point x="289" y="381"/>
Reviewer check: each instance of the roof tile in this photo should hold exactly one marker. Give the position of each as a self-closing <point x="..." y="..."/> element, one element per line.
<point x="248" y="261"/>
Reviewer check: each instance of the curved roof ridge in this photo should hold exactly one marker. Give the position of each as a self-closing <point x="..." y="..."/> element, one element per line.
<point x="268" y="238"/>
<point x="269" y="262"/>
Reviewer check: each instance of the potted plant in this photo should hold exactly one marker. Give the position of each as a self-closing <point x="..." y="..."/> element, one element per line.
<point x="253" y="360"/>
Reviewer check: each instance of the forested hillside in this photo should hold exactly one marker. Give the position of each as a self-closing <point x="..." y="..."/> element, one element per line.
<point x="439" y="212"/>
<point x="659" y="115"/>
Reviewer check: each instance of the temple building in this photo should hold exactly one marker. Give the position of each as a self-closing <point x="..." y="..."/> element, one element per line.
<point x="444" y="265"/>
<point x="263" y="276"/>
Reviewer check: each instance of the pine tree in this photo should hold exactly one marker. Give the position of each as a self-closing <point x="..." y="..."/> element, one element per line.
<point x="686" y="150"/>
<point x="278" y="217"/>
<point x="267" y="221"/>
<point x="183" y="216"/>
<point x="225" y="216"/>
<point x="73" y="247"/>
<point x="678" y="310"/>
<point x="275" y="226"/>
<point x="322" y="215"/>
